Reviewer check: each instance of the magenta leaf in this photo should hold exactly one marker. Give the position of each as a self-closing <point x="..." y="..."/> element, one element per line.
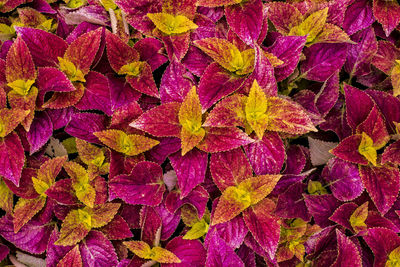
<point x="33" y="236"/>
<point x="143" y="186"/>
<point x="190" y="252"/>
<point x="215" y="84"/>
<point x="96" y="250"/>
<point x="12" y="158"/>
<point x="266" y="156"/>
<point x="344" y="178"/>
<point x="348" y="253"/>
<point x="382" y="241"/>
<point x="83" y="125"/>
<point x="382" y="184"/>
<point x="322" y="60"/>
<point x="220" y="254"/>
<point x="246" y="20"/>
<point x="190" y="169"/>
<point x="174" y="85"/>
<point x="40" y="131"/>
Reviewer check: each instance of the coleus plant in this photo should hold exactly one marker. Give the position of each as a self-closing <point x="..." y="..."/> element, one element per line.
<point x="202" y="133"/>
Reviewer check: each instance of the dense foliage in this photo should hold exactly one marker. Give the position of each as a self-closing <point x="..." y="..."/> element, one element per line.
<point x="199" y="133"/>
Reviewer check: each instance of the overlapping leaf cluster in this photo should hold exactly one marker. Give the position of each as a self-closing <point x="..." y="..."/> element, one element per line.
<point x="199" y="133"/>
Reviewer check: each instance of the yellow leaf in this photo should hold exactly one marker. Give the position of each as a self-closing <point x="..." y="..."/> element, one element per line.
<point x="74" y="228"/>
<point x="357" y="219"/>
<point x="40" y="186"/>
<point x="367" y="149"/>
<point x="190" y="117"/>
<point x="130" y="145"/>
<point x="394" y="258"/>
<point x="316" y="188"/>
<point x="85" y="193"/>
<point x="140" y="248"/>
<point x="227" y="55"/>
<point x="132" y="69"/>
<point x="107" y="4"/>
<point x="395" y="78"/>
<point x="21" y="87"/>
<point x="75" y="3"/>
<point x="73" y="74"/>
<point x="247" y="62"/>
<point x="311" y="26"/>
<point x="70" y="145"/>
<point x="170" y="24"/>
<point x="6" y="197"/>
<point x="199" y="229"/>
<point x="255" y="109"/>
<point x="274" y="60"/>
<point x="162" y="255"/>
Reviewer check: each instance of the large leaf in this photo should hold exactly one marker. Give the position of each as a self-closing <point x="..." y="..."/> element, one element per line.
<point x="143" y="186"/>
<point x="382" y="184"/>
<point x="220" y="254"/>
<point x="12" y="158"/>
<point x="264" y="225"/>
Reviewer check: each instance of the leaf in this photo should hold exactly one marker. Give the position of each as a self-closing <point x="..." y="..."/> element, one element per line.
<point x="323" y="60"/>
<point x="189" y="252"/>
<point x="118" y="52"/>
<point x="344" y="179"/>
<point x="229" y="168"/>
<point x="264" y="225"/>
<point x="348" y="150"/>
<point x="174" y="84"/>
<point x="220" y="254"/>
<point x="215" y="84"/>
<point x="96" y="249"/>
<point x="161" y="121"/>
<point x="170" y="24"/>
<point x="82" y="51"/>
<point x="382" y="242"/>
<point x="319" y="151"/>
<point x="358" y="105"/>
<point x="190" y="118"/>
<point x="392" y="153"/>
<point x="197" y="230"/>
<point x="382" y="184"/>
<point x="19" y="63"/>
<point x="287" y="116"/>
<point x="358" y="217"/>
<point x="236" y="199"/>
<point x="117" y="229"/>
<point x="395" y="78"/>
<point x="224" y="53"/>
<point x="102" y="215"/>
<point x="387" y="13"/>
<point x="72" y="258"/>
<point x="74" y="228"/>
<point x="143" y="250"/>
<point x="40" y="131"/>
<point x="190" y="170"/>
<point x="12" y="158"/>
<point x="288" y="49"/>
<point x="358" y="16"/>
<point x="45" y="47"/>
<point x="255" y="109"/>
<point x="96" y="95"/>
<point x="229" y="112"/>
<point x="246" y="20"/>
<point x="25" y="209"/>
<point x="33" y="237"/>
<point x="10" y="118"/>
<point x="359" y="56"/>
<point x="129" y="145"/>
<point x="6" y="199"/>
<point x="284" y="16"/>
<point x="223" y="139"/>
<point x="366" y="148"/>
<point x="348" y="252"/>
<point x="83" y="125"/>
<point x="84" y="191"/>
<point x="143" y="186"/>
<point x="311" y="26"/>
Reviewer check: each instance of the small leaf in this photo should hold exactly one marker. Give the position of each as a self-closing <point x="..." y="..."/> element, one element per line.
<point x="130" y="145"/>
<point x="74" y="228"/>
<point x="366" y="148"/>
<point x="170" y="24"/>
<point x="198" y="229"/>
<point x="311" y="26"/>
<point x="358" y="217"/>
<point x="255" y="109"/>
